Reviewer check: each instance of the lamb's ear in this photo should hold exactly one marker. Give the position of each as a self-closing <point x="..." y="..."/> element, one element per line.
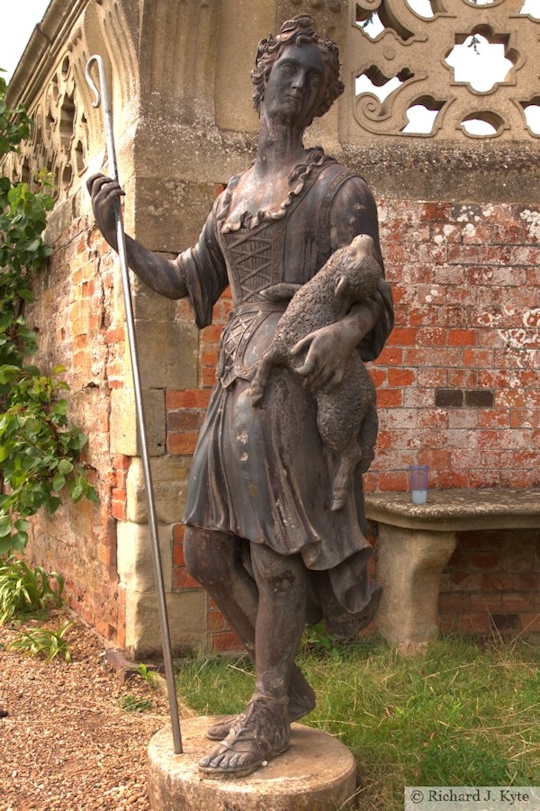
<point x="342" y="287"/>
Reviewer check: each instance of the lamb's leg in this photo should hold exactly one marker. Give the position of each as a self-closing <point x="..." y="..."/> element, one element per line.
<point x="343" y="478"/>
<point x="368" y="437"/>
<point x="256" y="390"/>
<point x="360" y="454"/>
<point x="339" y="415"/>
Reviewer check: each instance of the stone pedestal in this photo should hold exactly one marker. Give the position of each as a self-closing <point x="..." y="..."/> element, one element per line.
<point x="317" y="773"/>
<point x="409" y="570"/>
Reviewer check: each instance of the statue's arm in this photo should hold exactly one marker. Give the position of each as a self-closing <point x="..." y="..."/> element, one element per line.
<point x="198" y="272"/>
<point x="368" y="323"/>
<point x="158" y="272"/>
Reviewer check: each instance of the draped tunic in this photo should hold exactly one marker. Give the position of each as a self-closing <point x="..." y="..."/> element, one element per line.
<point x="263" y="474"/>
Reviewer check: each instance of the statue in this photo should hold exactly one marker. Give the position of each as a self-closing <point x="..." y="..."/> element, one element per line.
<point x="275" y="527"/>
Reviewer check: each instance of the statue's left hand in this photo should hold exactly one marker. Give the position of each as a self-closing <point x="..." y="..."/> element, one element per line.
<point x="328" y="350"/>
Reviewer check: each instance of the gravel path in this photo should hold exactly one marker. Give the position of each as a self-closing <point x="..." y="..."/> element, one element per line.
<point x="66" y="743"/>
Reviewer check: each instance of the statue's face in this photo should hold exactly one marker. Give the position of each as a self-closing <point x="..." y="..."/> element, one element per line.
<point x="296" y="84"/>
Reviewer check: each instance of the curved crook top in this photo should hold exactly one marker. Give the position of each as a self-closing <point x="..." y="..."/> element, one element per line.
<point x="103" y="100"/>
<point x="103" y="96"/>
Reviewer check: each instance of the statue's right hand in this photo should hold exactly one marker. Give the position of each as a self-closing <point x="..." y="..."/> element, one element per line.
<point x="104" y="193"/>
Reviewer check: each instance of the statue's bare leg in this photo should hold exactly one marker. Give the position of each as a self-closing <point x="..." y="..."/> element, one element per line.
<point x="263" y="730"/>
<point x="215" y="560"/>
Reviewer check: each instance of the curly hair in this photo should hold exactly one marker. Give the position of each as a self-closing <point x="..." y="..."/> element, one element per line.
<point x="297" y="31"/>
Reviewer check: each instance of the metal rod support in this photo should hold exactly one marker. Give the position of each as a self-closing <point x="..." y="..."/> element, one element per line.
<point x="103" y="100"/>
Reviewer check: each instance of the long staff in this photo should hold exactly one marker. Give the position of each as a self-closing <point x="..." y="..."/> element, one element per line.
<point x="104" y="100"/>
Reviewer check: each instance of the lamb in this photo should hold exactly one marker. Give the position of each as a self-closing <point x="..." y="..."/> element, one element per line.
<point x="348" y="412"/>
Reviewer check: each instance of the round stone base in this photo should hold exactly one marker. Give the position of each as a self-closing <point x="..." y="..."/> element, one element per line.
<point x="317" y="773"/>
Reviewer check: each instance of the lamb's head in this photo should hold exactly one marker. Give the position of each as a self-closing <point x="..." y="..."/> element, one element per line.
<point x="357" y="270"/>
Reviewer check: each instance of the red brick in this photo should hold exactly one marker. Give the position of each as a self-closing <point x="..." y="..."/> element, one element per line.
<point x="486" y="601"/>
<point x="208" y="376"/>
<point x="448" y="479"/>
<point x="379" y="376"/>
<point x="477" y="623"/>
<point x="121" y="462"/>
<point x="485" y="560"/>
<point x="455" y="604"/>
<point x="518" y="602"/>
<point x="215" y="622"/>
<point x="389" y="398"/>
<point x="464" y="581"/>
<point x="209" y="355"/>
<point x="403" y="337"/>
<point x="178" y="554"/>
<point x="462" y="337"/>
<point x="435" y="211"/>
<point x="211" y="335"/>
<point x="227" y="641"/>
<point x="180" y="421"/>
<point x="114" y="336"/>
<point x="182" y="444"/>
<point x="401" y="377"/>
<point x="431" y="336"/>
<point x="188" y="398"/>
<point x="394" y="480"/>
<point x="526" y="582"/>
<point x="530" y="621"/>
<point x="178" y="533"/>
<point x="183" y="580"/>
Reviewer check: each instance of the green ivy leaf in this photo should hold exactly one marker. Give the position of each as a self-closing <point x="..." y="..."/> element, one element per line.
<point x="58" y="482"/>
<point x="65" y="466"/>
<point x="5" y="525"/>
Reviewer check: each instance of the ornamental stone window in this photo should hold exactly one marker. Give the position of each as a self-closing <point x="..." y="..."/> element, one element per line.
<point x="430" y="68"/>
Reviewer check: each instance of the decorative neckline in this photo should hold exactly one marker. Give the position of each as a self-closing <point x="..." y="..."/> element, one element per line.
<point x="315" y="159"/>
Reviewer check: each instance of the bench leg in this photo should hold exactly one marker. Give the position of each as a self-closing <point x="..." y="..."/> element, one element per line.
<point x="410" y="564"/>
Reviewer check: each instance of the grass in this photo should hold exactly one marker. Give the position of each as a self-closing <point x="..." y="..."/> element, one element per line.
<point x="464" y="714"/>
<point x="44" y="642"/>
<point x="25" y="591"/>
<point x="132" y="703"/>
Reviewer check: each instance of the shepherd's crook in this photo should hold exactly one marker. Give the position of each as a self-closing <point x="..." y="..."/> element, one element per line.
<point x="103" y="100"/>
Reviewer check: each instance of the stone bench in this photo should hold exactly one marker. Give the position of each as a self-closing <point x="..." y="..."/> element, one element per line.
<point x="415" y="542"/>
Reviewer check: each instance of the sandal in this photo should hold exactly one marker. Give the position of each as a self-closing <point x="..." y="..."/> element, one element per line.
<point x="300" y="704"/>
<point x="260" y="733"/>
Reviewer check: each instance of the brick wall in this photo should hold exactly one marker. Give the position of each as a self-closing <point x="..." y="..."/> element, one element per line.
<point x="76" y="317"/>
<point x="457" y="381"/>
<point x="491" y="584"/>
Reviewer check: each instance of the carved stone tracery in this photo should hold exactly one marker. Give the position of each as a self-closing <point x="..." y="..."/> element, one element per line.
<point x="413" y="49"/>
<point x="66" y="127"/>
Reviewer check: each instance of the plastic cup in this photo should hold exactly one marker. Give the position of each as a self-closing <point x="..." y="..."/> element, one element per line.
<point x="419" y="476"/>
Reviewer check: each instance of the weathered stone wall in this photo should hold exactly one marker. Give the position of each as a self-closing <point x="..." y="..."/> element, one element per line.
<point x="460" y="219"/>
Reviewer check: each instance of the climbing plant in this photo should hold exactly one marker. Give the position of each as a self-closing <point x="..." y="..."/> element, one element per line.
<point x="39" y="447"/>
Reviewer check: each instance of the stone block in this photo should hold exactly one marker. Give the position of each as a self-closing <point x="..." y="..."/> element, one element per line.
<point x="172" y="210"/>
<point x="169" y="479"/>
<point x="134" y="556"/>
<point x="168" y="354"/>
<point x="187" y="622"/>
<point x="151" y="306"/>
<point x="124" y="429"/>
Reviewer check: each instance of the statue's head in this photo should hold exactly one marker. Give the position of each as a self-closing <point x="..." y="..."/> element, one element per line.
<point x="298" y="31"/>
